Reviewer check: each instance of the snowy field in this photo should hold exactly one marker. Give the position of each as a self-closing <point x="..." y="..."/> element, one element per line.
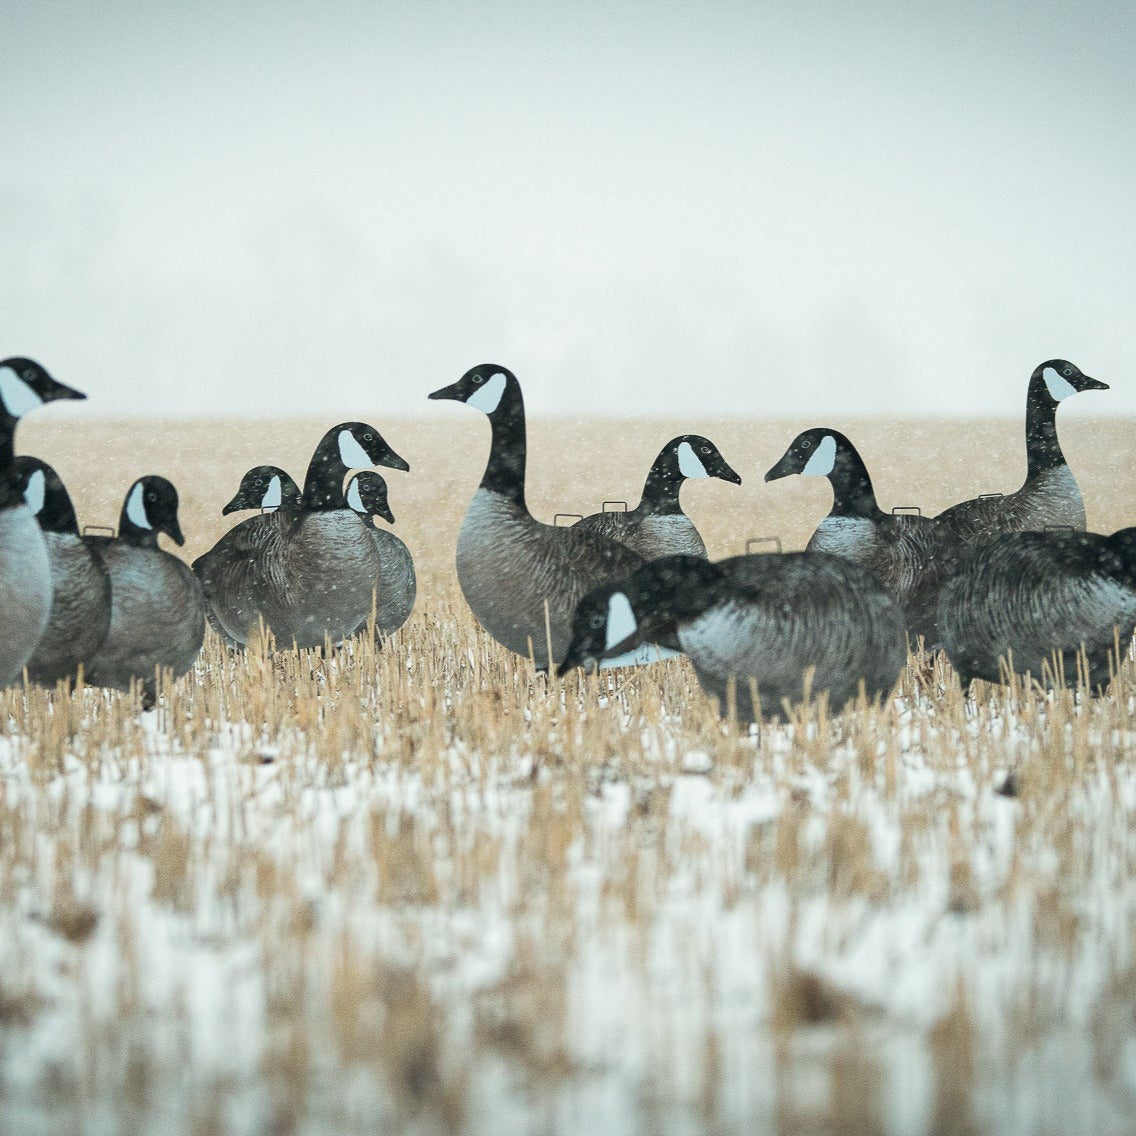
<point x="424" y="891"/>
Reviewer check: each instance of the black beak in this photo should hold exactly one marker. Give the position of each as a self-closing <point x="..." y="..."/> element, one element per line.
<point x="1088" y="384"/>
<point x="173" y="530"/>
<point x="781" y="469"/>
<point x="52" y="389"/>
<point x="728" y="473"/>
<point x="386" y="514"/>
<point x="391" y="460"/>
<point x="235" y="505"/>
<point x="450" y="392"/>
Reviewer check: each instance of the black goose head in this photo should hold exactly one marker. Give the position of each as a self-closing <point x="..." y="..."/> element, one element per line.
<point x="1056" y="379"/>
<point x="647" y="607"/>
<point x="46" y="495"/>
<point x="823" y="452"/>
<point x="264" y="487"/>
<point x="483" y="387"/>
<point x="687" y="456"/>
<point x="366" y="493"/>
<point x="151" y="507"/>
<point x="812" y="453"/>
<point x="495" y="390"/>
<point x="24" y="385"/>
<point x="350" y="445"/>
<point x="696" y="456"/>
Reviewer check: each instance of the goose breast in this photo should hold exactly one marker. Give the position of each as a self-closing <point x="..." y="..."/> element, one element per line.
<point x="157" y="616"/>
<point x="80" y="609"/>
<point x="25" y="589"/>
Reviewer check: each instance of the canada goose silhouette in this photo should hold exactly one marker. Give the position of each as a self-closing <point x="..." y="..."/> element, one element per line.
<point x="522" y="578"/>
<point x="397" y="584"/>
<point x="157" y="611"/>
<point x="1050" y="496"/>
<point x="1030" y="602"/>
<point x="657" y="526"/>
<point x="81" y="595"/>
<point x="307" y="569"/>
<point x="908" y="554"/>
<point x="786" y="623"/>
<point x="25" y="568"/>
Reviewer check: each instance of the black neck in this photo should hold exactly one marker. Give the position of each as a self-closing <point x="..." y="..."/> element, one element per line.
<point x="505" y="470"/>
<point x="290" y="497"/>
<point x="130" y="533"/>
<point x="660" y="490"/>
<point x="10" y="493"/>
<point x="58" y="514"/>
<point x="852" y="492"/>
<point x="323" y="485"/>
<point x="1043" y="451"/>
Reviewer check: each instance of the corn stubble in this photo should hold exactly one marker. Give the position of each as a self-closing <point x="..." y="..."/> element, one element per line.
<point x="421" y="889"/>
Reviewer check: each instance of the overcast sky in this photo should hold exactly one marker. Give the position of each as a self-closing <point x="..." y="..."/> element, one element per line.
<point x="780" y="208"/>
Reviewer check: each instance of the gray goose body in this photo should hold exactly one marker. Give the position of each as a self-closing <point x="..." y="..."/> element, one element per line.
<point x="232" y="574"/>
<point x="909" y="554"/>
<point x="80" y="586"/>
<point x="80" y="609"/>
<point x="157" y="617"/>
<point x="1050" y="496"/>
<point x="1030" y="595"/>
<point x="787" y="613"/>
<point x="510" y="565"/>
<point x="1051" y="499"/>
<point x="657" y="526"/>
<point x="765" y="619"/>
<point x="25" y="589"/>
<point x="513" y="568"/>
<point x="651" y="536"/>
<point x="395" y="598"/>
<point x="309" y="569"/>
<point x="25" y="566"/>
<point x="319" y="583"/>
<point x="396" y="585"/>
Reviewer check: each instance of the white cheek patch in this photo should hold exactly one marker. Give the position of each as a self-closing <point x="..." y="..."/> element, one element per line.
<point x="136" y="509"/>
<point x="488" y="396"/>
<point x="1058" y="386"/>
<point x="621" y="621"/>
<point x="17" y="396"/>
<point x="350" y="452"/>
<point x="823" y="459"/>
<point x="641" y="656"/>
<point x="272" y="495"/>
<point x="689" y="463"/>
<point x="354" y="497"/>
<point x="36" y="491"/>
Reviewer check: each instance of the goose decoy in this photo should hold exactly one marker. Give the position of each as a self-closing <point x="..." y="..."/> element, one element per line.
<point x="81" y="596"/>
<point x="25" y="569"/>
<point x="231" y="612"/>
<point x="788" y="623"/>
<point x="1050" y="496"/>
<point x="657" y="526"/>
<point x="1023" y="600"/>
<point x="397" y="584"/>
<point x="157" y="610"/>
<point x="908" y="554"/>
<point x="522" y="578"/>
<point x="309" y="568"/>
<point x="265" y="487"/>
